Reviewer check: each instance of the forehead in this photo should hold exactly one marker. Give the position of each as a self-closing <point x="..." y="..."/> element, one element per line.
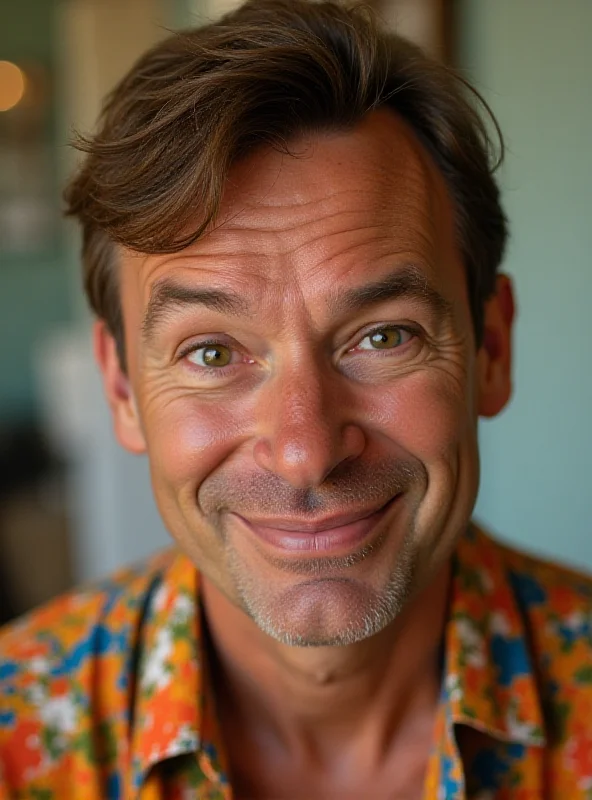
<point x="333" y="208"/>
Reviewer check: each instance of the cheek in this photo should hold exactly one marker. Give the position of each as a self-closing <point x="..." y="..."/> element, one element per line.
<point x="189" y="438"/>
<point x="426" y="414"/>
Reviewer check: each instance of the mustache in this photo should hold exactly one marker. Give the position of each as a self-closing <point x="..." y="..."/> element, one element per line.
<point x="354" y="485"/>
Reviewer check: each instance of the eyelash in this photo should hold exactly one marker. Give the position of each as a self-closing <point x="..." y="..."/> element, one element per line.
<point x="213" y="342"/>
<point x="413" y="331"/>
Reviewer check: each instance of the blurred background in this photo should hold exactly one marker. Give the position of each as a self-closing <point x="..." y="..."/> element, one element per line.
<point x="73" y="506"/>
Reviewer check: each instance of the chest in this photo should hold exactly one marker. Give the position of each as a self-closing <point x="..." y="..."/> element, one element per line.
<point x="288" y="786"/>
<point x="271" y="777"/>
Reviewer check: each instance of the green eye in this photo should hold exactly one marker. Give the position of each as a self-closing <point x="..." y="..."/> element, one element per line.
<point x="385" y="339"/>
<point x="212" y="355"/>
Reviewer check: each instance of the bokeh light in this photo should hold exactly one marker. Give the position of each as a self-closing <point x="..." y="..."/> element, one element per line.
<point x="12" y="85"/>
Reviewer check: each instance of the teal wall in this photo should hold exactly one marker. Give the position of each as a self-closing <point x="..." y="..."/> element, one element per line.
<point x="182" y="13"/>
<point x="533" y="62"/>
<point x="38" y="294"/>
<point x="34" y="291"/>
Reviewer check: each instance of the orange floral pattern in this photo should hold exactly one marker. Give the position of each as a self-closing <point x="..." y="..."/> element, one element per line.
<point x="103" y="695"/>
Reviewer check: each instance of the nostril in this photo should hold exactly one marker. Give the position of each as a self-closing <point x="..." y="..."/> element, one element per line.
<point x="262" y="453"/>
<point x="354" y="440"/>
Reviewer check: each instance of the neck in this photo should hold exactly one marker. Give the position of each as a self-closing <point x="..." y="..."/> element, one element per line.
<point x="317" y="701"/>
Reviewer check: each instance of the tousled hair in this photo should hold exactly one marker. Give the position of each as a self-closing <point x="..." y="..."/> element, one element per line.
<point x="153" y="175"/>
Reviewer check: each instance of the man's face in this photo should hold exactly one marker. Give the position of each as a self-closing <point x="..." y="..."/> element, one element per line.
<point x="306" y="383"/>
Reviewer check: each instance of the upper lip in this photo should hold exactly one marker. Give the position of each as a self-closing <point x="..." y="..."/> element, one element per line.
<point x="313" y="526"/>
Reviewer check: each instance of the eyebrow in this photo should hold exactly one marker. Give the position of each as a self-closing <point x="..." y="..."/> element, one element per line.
<point x="406" y="282"/>
<point x="168" y="295"/>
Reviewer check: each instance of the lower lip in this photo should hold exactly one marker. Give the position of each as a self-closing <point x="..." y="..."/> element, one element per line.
<point x="331" y="542"/>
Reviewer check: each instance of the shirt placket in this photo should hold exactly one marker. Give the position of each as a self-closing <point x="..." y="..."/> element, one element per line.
<point x="445" y="778"/>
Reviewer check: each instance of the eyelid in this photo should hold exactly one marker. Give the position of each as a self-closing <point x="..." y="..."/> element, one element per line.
<point x="226" y="341"/>
<point x="240" y="357"/>
<point x="412" y="328"/>
<point x="403" y="333"/>
<point x="210" y="341"/>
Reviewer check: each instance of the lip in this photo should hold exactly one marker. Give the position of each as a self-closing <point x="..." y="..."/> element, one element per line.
<point x="336" y="535"/>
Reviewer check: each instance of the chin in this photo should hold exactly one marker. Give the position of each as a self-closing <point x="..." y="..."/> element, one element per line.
<point x="327" y="611"/>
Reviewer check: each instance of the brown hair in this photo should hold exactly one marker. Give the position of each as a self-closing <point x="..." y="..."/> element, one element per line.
<point x="154" y="174"/>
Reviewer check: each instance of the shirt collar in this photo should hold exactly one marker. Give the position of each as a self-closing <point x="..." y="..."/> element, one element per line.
<point x="490" y="682"/>
<point x="174" y="712"/>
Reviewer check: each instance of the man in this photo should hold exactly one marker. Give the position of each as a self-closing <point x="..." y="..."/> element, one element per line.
<point x="291" y="242"/>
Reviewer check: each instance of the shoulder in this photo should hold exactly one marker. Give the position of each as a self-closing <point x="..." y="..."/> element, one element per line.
<point x="58" y="659"/>
<point x="555" y="604"/>
<point x="81" y="623"/>
<point x="547" y="590"/>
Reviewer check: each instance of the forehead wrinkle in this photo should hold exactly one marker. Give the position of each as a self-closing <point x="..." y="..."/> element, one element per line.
<point x="384" y="211"/>
<point x="282" y="230"/>
<point x="405" y="233"/>
<point x="372" y="249"/>
<point x="305" y="229"/>
<point x="301" y="192"/>
<point x="386" y="223"/>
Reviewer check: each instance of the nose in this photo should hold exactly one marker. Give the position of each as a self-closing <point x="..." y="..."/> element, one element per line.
<point x="304" y="428"/>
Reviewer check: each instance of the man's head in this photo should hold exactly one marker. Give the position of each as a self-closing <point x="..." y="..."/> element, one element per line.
<point x="292" y="234"/>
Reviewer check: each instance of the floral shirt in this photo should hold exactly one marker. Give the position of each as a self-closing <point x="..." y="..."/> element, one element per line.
<point x="104" y="693"/>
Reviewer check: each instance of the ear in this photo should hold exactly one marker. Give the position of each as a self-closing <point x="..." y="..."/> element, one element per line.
<point x="126" y="420"/>
<point x="495" y="355"/>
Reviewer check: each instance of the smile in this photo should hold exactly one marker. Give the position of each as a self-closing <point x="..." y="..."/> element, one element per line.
<point x="332" y="536"/>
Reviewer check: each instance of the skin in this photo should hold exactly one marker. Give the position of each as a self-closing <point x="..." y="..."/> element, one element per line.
<point x="327" y="663"/>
